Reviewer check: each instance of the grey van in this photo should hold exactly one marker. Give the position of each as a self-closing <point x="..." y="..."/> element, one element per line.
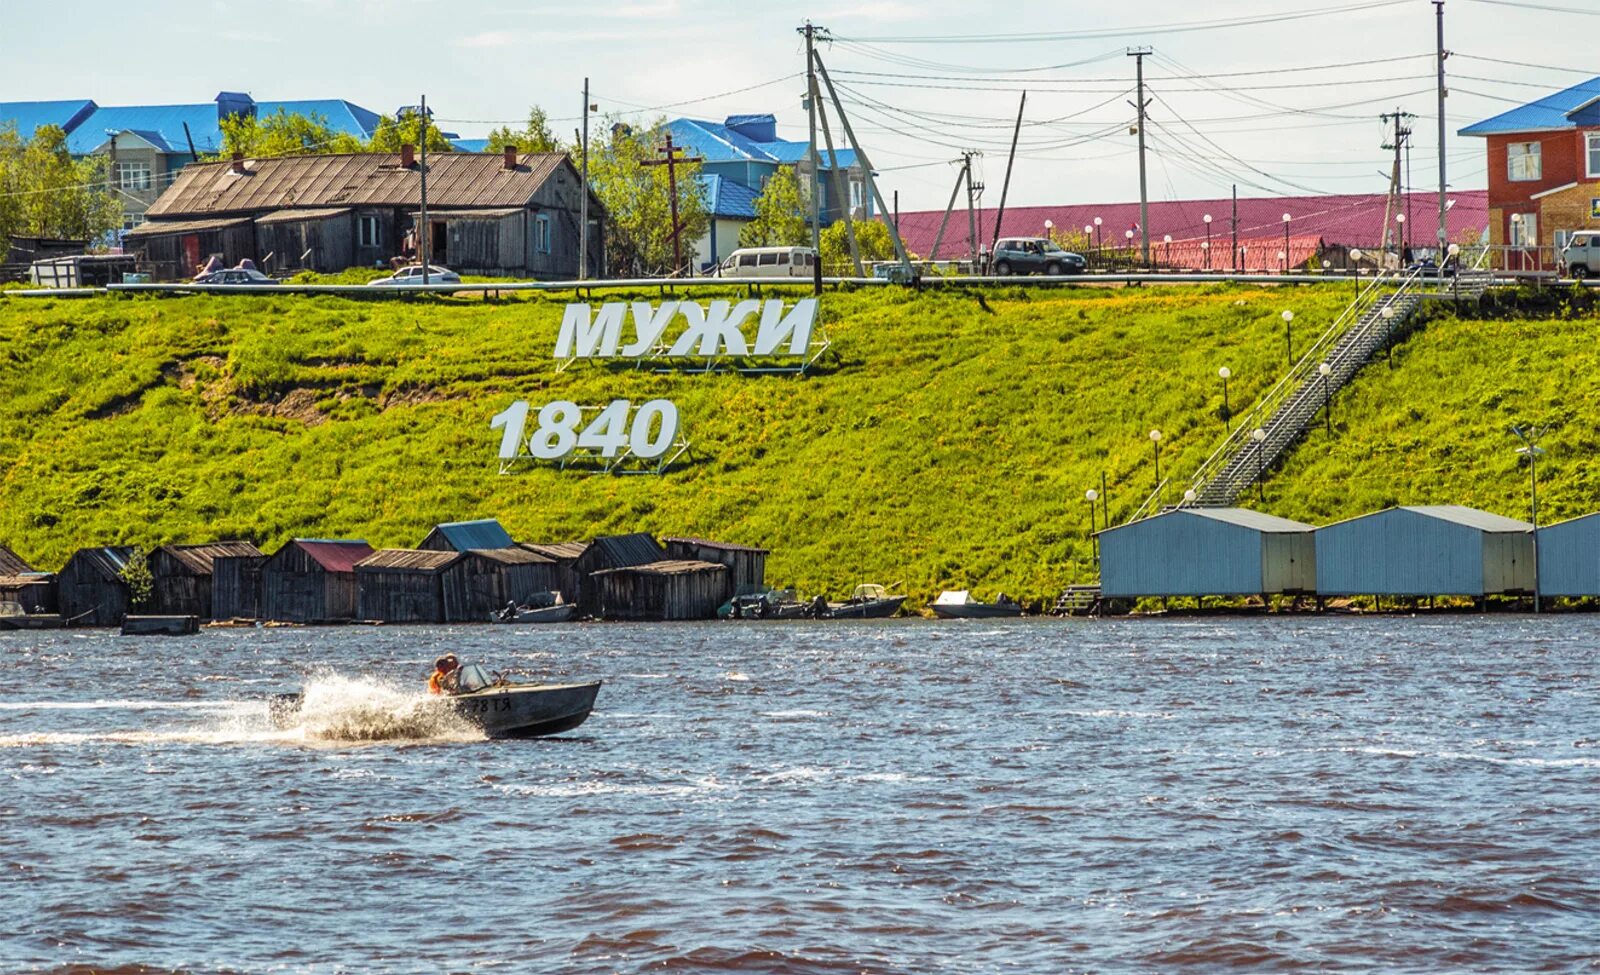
<point x="1581" y="256"/>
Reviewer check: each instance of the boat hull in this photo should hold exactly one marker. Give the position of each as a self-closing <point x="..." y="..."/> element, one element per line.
<point x="866" y="609"/>
<point x="547" y="614"/>
<point x="507" y="711"/>
<point x="975" y="611"/>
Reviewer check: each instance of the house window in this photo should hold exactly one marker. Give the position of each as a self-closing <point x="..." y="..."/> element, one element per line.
<point x="369" y="232"/>
<point x="132" y="175"/>
<point x="132" y="220"/>
<point x="1594" y="153"/>
<point x="541" y="234"/>
<point x="1522" y="161"/>
<point x="855" y="194"/>
<point x="1524" y="229"/>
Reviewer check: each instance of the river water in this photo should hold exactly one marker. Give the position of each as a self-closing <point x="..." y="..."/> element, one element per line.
<point x="1326" y="794"/>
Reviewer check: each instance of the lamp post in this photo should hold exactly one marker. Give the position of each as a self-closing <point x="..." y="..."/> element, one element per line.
<point x="1205" y="249"/>
<point x="1259" y="436"/>
<point x="1288" y="334"/>
<point x="1518" y="242"/>
<point x="1189" y="496"/>
<point x="1224" y="373"/>
<point x="1155" y="446"/>
<point x="1128" y="236"/>
<point x="1097" y="223"/>
<point x="1283" y="261"/>
<point x="1244" y="258"/>
<point x="1388" y="332"/>
<point x="1286" y="219"/>
<point x="1324" y="370"/>
<point x="1049" y="226"/>
<point x="1355" y="264"/>
<point x="1092" y="496"/>
<point x="1454" y="260"/>
<point x="1167" y="239"/>
<point x="1400" y="219"/>
<point x="1531" y="449"/>
<point x="1207" y="246"/>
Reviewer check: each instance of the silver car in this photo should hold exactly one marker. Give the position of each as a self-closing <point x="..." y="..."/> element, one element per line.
<point x="412" y="274"/>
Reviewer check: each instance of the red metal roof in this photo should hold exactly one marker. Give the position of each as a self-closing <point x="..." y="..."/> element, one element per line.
<point x="335" y="555"/>
<point x="1354" y="220"/>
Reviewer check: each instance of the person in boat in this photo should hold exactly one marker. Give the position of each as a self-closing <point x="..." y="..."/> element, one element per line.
<point x="443" y="678"/>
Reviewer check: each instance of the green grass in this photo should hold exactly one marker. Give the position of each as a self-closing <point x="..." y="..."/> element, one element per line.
<point x="947" y="446"/>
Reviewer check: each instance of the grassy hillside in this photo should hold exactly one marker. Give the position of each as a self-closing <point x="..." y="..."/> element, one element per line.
<point x="949" y="444"/>
<point x="1435" y="427"/>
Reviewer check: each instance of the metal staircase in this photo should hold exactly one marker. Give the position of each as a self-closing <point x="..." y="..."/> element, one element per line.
<point x="1381" y="312"/>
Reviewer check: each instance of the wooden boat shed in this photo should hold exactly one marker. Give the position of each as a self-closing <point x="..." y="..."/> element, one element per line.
<point x="92" y="590"/>
<point x="1207" y="552"/>
<point x="20" y="583"/>
<point x="402" y="585"/>
<point x="747" y="566"/>
<point x="482" y="580"/>
<point x="1569" y="557"/>
<point x="1430" y="550"/>
<point x="564" y="556"/>
<point x="613" y="552"/>
<point x="181" y="575"/>
<point x="665" y="590"/>
<point x="236" y="586"/>
<point x="464" y="536"/>
<point x="312" y="580"/>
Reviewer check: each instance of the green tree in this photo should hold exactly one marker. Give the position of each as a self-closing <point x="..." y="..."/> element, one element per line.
<point x="780" y="214"/>
<point x="536" y="137"/>
<point x="393" y="132"/>
<point x="872" y="240"/>
<point x="44" y="191"/>
<point x="141" y="582"/>
<point x="638" y="203"/>
<point x="283" y="133"/>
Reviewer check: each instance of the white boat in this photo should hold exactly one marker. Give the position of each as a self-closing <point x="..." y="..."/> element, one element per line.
<point x="958" y="604"/>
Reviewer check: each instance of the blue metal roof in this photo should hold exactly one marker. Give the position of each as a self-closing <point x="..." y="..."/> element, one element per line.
<point x="719" y="142"/>
<point x="466" y="535"/>
<point x="166" y="121"/>
<point x="28" y="116"/>
<point x="725" y="198"/>
<point x="470" y="145"/>
<point x="1564" y="110"/>
<point x="342" y="116"/>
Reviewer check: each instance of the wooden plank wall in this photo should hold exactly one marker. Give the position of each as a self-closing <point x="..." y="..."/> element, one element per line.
<point x="399" y="596"/>
<point x="236" y="586"/>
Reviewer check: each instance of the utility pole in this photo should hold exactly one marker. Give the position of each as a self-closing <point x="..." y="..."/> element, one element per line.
<point x="1236" y="228"/>
<point x="1392" y="205"/>
<point x="423" y="233"/>
<point x="1530" y="447"/>
<point x="839" y="192"/>
<point x="974" y="190"/>
<point x="1005" y="186"/>
<point x="812" y="95"/>
<point x="1444" y="221"/>
<point x="1138" y="53"/>
<point x="866" y="169"/>
<point x="583" y="204"/>
<point x="671" y="161"/>
<point x="961" y="175"/>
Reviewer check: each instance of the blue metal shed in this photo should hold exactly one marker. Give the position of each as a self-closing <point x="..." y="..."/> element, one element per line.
<point x="1430" y="550"/>
<point x="1569" y="557"/>
<point x="464" y="536"/>
<point x="1207" y="552"/>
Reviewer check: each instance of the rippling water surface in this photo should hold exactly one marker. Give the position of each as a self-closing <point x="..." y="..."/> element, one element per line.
<point x="1386" y="795"/>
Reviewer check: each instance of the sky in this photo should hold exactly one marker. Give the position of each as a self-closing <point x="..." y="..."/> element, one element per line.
<point x="1279" y="98"/>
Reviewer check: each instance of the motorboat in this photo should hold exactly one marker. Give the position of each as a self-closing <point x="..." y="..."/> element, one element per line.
<point x="772" y="604"/>
<point x="869" y="601"/>
<point x="543" y="607"/>
<point x="958" y="604"/>
<point x="502" y="708"/>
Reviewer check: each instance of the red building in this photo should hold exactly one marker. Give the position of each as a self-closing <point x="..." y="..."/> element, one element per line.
<point x="1544" y="168"/>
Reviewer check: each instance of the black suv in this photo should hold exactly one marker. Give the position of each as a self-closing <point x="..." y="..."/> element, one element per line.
<point x="1025" y="255"/>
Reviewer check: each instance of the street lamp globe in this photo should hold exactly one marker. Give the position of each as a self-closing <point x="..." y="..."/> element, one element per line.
<point x="1155" y="436"/>
<point x="1225" y="373"/>
<point x="1206" y="218"/>
<point x="1205" y="245"/>
<point x="1455" y="250"/>
<point x="1088" y="229"/>
<point x="1282" y="255"/>
<point x="1287" y="218"/>
<point x="1091" y="495"/>
<point x="1189" y="496"/>
<point x="1098" y="221"/>
<point x="1166" y="238"/>
<point x="1288" y="316"/>
<point x="1388" y="312"/>
<point x="1128" y="234"/>
<point x="1355" y="254"/>
<point x="1324" y="370"/>
<point x="1049" y="225"/>
<point x="1258" y="435"/>
<point x="1399" y="218"/>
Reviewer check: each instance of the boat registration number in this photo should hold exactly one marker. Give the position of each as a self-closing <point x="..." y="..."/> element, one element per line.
<point x="486" y="705"/>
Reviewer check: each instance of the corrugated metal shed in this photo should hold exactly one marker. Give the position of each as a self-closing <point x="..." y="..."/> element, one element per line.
<point x="401" y="585"/>
<point x="335" y="554"/>
<point x="181" y="575"/>
<point x="1569" y="557"/>
<point x="664" y="590"/>
<point x="11" y="564"/>
<point x="406" y="560"/>
<point x="1563" y="110"/>
<point x="1444" y="550"/>
<point x="747" y="565"/>
<point x="461" y="536"/>
<point x="618" y="551"/>
<point x="560" y="551"/>
<point x="513" y="555"/>
<point x="1207" y="552"/>
<point x="91" y="588"/>
<point x="455" y="179"/>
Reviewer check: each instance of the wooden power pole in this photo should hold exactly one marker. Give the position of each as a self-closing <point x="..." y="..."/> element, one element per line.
<point x="671" y="159"/>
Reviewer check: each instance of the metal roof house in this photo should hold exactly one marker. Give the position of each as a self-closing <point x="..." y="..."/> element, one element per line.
<point x="740" y="153"/>
<point x="1569" y="557"/>
<point x="1434" y="550"/>
<point x="1207" y="552"/>
<point x="311" y="580"/>
<point x="462" y="536"/>
<point x="502" y="214"/>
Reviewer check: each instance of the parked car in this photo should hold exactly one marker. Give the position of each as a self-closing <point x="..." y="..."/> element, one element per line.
<point x="235" y="275"/>
<point x="769" y="262"/>
<point x="412" y="274"/>
<point x="1581" y="256"/>
<point x="1025" y="255"/>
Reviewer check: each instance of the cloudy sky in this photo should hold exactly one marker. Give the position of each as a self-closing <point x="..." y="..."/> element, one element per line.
<point x="1280" y="98"/>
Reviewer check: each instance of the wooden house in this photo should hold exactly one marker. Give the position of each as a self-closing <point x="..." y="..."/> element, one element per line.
<point x="91" y="587"/>
<point x="565" y="555"/>
<point x="463" y="536"/>
<point x="31" y="591"/>
<point x="613" y="552"/>
<point x="499" y="214"/>
<point x="747" y="566"/>
<point x="181" y="575"/>
<point x="483" y="580"/>
<point x="236" y="587"/>
<point x="403" y="585"/>
<point x="312" y="580"/>
<point x="11" y="564"/>
<point x="665" y="590"/>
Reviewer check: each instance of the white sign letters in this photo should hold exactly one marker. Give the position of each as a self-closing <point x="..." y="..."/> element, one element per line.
<point x="608" y="440"/>
<point x="717" y="331"/>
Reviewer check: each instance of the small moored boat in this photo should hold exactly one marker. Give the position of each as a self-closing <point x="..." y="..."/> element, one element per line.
<point x="958" y="604"/>
<point x="502" y="708"/>
<point x="543" y="607"/>
<point x="869" y="601"/>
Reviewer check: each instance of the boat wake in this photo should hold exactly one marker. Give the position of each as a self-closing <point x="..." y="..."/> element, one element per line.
<point x="335" y="708"/>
